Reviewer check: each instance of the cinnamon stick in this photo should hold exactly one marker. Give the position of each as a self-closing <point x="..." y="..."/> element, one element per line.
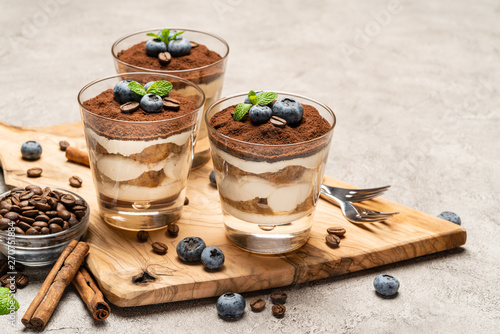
<point x="76" y="155"/>
<point x="61" y="275"/>
<point x="91" y="295"/>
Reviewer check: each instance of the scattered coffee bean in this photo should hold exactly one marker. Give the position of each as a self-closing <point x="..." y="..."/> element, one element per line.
<point x="159" y="248"/>
<point x="129" y="107"/>
<point x="34" y="172"/>
<point x="257" y="305"/>
<point x="278" y="297"/>
<point x="186" y="201"/>
<point x="165" y="58"/>
<point x="63" y="145"/>
<point x="332" y="240"/>
<point x="171" y="104"/>
<point x="173" y="230"/>
<point x="278" y="121"/>
<point x="75" y="181"/>
<point x="338" y="231"/>
<point x="279" y="310"/>
<point x="5" y="280"/>
<point x="194" y="44"/>
<point x="142" y="236"/>
<point x="21" y="281"/>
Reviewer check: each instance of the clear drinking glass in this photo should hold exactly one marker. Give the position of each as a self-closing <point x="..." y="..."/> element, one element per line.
<point x="209" y="78"/>
<point x="140" y="169"/>
<point x="268" y="193"/>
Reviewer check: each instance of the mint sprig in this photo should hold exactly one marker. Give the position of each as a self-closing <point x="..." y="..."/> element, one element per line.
<point x="160" y="88"/>
<point x="163" y="36"/>
<point x="152" y="34"/>
<point x="241" y="110"/>
<point x="252" y="97"/>
<point x="264" y="98"/>
<point x="137" y="88"/>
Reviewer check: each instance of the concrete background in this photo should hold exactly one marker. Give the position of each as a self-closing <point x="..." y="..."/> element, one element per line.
<point x="415" y="86"/>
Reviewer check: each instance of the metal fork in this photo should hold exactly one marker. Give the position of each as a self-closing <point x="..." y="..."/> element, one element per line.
<point x="354" y="195"/>
<point x="353" y="213"/>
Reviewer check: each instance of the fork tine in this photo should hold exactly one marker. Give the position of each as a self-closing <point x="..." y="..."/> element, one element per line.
<point x="360" y="198"/>
<point x="367" y="191"/>
<point x="371" y="220"/>
<point x="379" y="213"/>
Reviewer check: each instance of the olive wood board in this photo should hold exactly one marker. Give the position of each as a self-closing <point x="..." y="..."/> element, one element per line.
<point x="116" y="257"/>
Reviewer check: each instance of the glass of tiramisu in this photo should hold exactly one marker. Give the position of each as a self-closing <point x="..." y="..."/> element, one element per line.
<point x="192" y="55"/>
<point x="140" y="130"/>
<point x="269" y="151"/>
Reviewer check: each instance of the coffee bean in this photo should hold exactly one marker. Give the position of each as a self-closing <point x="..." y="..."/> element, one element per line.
<point x="159" y="248"/>
<point x="42" y="218"/>
<point x="12" y="216"/>
<point x="5" y="205"/>
<point x="165" y="58"/>
<point x="32" y="231"/>
<point x="279" y="310"/>
<point x="173" y="230"/>
<point x="56" y="220"/>
<point x="186" y="201"/>
<point x="75" y="181"/>
<point x="63" y="145"/>
<point x="26" y="219"/>
<point x="338" y="231"/>
<point x="15" y="200"/>
<point x="78" y="207"/>
<point x="72" y="221"/>
<point x="278" y="297"/>
<point x="79" y="202"/>
<point x="52" y="202"/>
<point x="34" y="172"/>
<point x="54" y="228"/>
<point x="142" y="236"/>
<point x="257" y="305"/>
<point x="80" y="214"/>
<point x="21" y="281"/>
<point x="45" y="230"/>
<point x="171" y="104"/>
<point x="18" y="189"/>
<point x="46" y="191"/>
<point x="129" y="107"/>
<point x="18" y="230"/>
<point x="64" y="214"/>
<point x="4" y="223"/>
<point x="16" y="208"/>
<point x="60" y="207"/>
<point x="332" y="240"/>
<point x="35" y="189"/>
<point x="278" y="121"/>
<point x="65" y="226"/>
<point x="51" y="214"/>
<point x="42" y="206"/>
<point x="24" y="226"/>
<point x="27" y="196"/>
<point x="68" y="200"/>
<point x="3" y="211"/>
<point x="30" y="213"/>
<point x="194" y="44"/>
<point x="40" y="224"/>
<point x="5" y="280"/>
<point x="24" y="204"/>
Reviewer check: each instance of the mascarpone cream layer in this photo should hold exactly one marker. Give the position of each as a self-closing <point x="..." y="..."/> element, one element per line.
<point x="260" y="219"/>
<point x="134" y="193"/>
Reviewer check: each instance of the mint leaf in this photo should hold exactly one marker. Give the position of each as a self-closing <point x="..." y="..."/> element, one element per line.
<point x="152" y="34"/>
<point x="241" y="110"/>
<point x="252" y="96"/>
<point x="175" y="35"/>
<point x="160" y="88"/>
<point x="165" y="33"/>
<point x="137" y="88"/>
<point x="7" y="301"/>
<point x="265" y="98"/>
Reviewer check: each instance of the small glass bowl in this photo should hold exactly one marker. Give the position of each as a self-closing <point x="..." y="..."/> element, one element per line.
<point x="42" y="250"/>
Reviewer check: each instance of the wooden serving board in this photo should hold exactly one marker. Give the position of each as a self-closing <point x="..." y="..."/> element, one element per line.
<point x="116" y="257"/>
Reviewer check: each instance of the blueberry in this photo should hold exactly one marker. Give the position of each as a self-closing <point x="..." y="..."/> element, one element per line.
<point x="289" y="109"/>
<point x="151" y="103"/>
<point x="212" y="257"/>
<point x="247" y="100"/>
<point x="231" y="306"/>
<point x="154" y="47"/>
<point x="386" y="285"/>
<point x="213" y="182"/>
<point x="146" y="86"/>
<point x="260" y="114"/>
<point x="451" y="217"/>
<point x="179" y="47"/>
<point x="189" y="249"/>
<point x="123" y="94"/>
<point x="31" y="150"/>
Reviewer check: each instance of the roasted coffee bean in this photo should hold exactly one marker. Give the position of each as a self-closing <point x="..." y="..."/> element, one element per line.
<point x="5" y="205"/>
<point x="186" y="201"/>
<point x="165" y="58"/>
<point x="46" y="191"/>
<point x="194" y="44"/>
<point x="278" y="121"/>
<point x="159" y="248"/>
<point x="80" y="214"/>
<point x="60" y="207"/>
<point x="4" y="223"/>
<point x="27" y="207"/>
<point x="25" y="204"/>
<point x="18" y="189"/>
<point x="3" y="211"/>
<point x="65" y="226"/>
<point x="45" y="230"/>
<point x="79" y="202"/>
<point x="53" y="203"/>
<point x="32" y="231"/>
<point x="279" y="310"/>
<point x="54" y="228"/>
<point x="68" y="200"/>
<point x="173" y="230"/>
<point x="64" y="214"/>
<point x="21" y="281"/>
<point x="26" y="197"/>
<point x="30" y="213"/>
<point x="142" y="236"/>
<point x="24" y="226"/>
<point x="332" y="240"/>
<point x="75" y="181"/>
<point x="42" y="217"/>
<point x="56" y="220"/>
<point x="40" y="224"/>
<point x="15" y="200"/>
<point x="278" y="297"/>
<point x="78" y="207"/>
<point x="43" y="206"/>
<point x="257" y="305"/>
<point x="171" y="104"/>
<point x="18" y="230"/>
<point x="51" y="214"/>
<point x="129" y="107"/>
<point x="34" y="172"/>
<point x="72" y="221"/>
<point x="5" y="280"/>
<point x="11" y="215"/>
<point x="16" y="208"/>
<point x="63" y="145"/>
<point x="337" y="230"/>
<point x="26" y="219"/>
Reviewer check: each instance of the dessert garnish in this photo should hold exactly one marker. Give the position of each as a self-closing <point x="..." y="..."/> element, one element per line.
<point x="167" y="42"/>
<point x="264" y="106"/>
<point x="133" y="95"/>
<point x="31" y="150"/>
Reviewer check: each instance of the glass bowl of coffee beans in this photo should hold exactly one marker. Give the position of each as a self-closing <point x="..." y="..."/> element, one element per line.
<point x="37" y="223"/>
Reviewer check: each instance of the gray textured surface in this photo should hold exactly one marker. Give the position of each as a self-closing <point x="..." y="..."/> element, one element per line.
<point x="418" y="107"/>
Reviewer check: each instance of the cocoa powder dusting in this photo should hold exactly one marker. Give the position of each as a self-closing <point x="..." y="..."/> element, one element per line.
<point x="312" y="126"/>
<point x="151" y="127"/>
<point x="198" y="57"/>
